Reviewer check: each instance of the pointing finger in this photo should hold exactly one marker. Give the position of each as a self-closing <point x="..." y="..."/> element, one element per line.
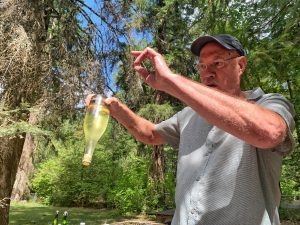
<point x="148" y="53"/>
<point x="135" y="53"/>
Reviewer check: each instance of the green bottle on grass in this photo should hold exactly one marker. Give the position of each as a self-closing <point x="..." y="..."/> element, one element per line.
<point x="55" y="221"/>
<point x="65" y="218"/>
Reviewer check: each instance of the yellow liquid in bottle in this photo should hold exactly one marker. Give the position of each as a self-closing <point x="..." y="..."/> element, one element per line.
<point x="95" y="123"/>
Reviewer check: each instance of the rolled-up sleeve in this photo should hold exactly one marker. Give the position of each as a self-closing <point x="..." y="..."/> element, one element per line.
<point x="169" y="130"/>
<point x="279" y="104"/>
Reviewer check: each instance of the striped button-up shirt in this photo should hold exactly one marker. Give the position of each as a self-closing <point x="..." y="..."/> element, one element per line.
<point x="222" y="180"/>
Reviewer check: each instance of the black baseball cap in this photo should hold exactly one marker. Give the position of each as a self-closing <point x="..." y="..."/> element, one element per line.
<point x="226" y="40"/>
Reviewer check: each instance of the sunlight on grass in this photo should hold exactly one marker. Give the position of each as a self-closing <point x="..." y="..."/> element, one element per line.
<point x="34" y="213"/>
<point x="30" y="213"/>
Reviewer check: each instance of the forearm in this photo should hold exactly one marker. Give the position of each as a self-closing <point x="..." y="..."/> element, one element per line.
<point x="252" y="123"/>
<point x="142" y="129"/>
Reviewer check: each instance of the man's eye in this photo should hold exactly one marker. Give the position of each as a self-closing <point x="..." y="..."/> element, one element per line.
<point x="218" y="63"/>
<point x="202" y="66"/>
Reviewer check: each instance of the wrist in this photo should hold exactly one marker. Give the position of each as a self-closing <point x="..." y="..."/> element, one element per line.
<point x="169" y="82"/>
<point x="114" y="105"/>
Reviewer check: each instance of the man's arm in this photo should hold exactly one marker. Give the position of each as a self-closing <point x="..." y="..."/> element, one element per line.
<point x="142" y="129"/>
<point x="254" y="124"/>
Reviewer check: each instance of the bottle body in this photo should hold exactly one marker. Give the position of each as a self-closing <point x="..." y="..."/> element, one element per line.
<point x="95" y="123"/>
<point x="65" y="218"/>
<point x="55" y="221"/>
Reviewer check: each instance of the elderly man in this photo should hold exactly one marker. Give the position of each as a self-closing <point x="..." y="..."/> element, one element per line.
<point x="231" y="142"/>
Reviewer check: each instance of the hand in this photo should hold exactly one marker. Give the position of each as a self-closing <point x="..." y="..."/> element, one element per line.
<point x="162" y="71"/>
<point x="111" y="102"/>
<point x="88" y="98"/>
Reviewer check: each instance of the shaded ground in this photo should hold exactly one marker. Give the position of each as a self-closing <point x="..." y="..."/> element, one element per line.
<point x="32" y="214"/>
<point x="143" y="222"/>
<point x="290" y="223"/>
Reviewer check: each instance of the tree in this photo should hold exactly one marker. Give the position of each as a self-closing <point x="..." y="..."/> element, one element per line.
<point x="80" y="54"/>
<point x="74" y="48"/>
<point x="268" y="30"/>
<point x="21" y="186"/>
<point x="48" y="59"/>
<point x="23" y="68"/>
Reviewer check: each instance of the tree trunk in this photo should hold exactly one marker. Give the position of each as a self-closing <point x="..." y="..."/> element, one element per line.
<point x="158" y="163"/>
<point x="22" y="68"/>
<point x="21" y="188"/>
<point x="158" y="157"/>
<point x="10" y="153"/>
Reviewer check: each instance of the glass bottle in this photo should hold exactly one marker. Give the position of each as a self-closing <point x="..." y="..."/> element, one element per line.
<point x="95" y="123"/>
<point x="65" y="218"/>
<point x="55" y="221"/>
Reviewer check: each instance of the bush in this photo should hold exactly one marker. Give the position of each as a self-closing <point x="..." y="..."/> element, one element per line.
<point x="129" y="189"/>
<point x="118" y="176"/>
<point x="62" y="180"/>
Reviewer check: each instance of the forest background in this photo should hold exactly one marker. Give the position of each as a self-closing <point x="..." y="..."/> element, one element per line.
<point x="53" y="53"/>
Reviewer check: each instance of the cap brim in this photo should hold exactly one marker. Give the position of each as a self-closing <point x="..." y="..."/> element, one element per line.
<point x="198" y="44"/>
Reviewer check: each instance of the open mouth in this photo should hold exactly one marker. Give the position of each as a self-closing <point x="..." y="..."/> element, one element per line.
<point x="212" y="85"/>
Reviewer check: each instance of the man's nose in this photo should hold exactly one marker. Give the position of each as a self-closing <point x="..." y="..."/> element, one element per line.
<point x="207" y="74"/>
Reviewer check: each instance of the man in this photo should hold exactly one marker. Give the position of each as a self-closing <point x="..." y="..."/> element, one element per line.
<point x="230" y="142"/>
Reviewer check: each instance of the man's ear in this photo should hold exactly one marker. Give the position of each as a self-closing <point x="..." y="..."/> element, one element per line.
<point x="242" y="64"/>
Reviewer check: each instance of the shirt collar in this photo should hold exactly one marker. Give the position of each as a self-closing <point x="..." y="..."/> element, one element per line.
<point x="254" y="94"/>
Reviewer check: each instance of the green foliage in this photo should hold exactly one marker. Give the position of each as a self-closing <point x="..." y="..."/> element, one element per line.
<point x="290" y="214"/>
<point x="268" y="30"/>
<point x="156" y="113"/>
<point x="44" y="180"/>
<point x="170" y="177"/>
<point x="290" y="179"/>
<point x="119" y="175"/>
<point x="19" y="128"/>
<point x="128" y="192"/>
<point x="62" y="180"/>
<point x="134" y="190"/>
<point x="12" y="122"/>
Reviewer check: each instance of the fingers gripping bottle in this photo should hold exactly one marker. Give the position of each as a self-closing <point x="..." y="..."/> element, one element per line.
<point x="95" y="123"/>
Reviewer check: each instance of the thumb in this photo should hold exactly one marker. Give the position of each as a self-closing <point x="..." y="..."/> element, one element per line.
<point x="88" y="99"/>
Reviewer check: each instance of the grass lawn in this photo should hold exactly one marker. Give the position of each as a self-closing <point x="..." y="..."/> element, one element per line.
<point x="34" y="213"/>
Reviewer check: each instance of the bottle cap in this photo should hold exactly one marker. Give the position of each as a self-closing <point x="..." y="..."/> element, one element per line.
<point x="86" y="160"/>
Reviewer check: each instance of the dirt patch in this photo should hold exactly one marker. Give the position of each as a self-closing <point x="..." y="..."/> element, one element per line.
<point x="137" y="222"/>
<point x="140" y="222"/>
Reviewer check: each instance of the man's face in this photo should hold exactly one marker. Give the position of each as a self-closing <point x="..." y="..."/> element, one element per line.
<point x="221" y="68"/>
